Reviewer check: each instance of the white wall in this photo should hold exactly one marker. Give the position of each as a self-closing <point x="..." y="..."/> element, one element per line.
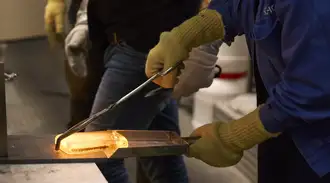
<point x="21" y="19"/>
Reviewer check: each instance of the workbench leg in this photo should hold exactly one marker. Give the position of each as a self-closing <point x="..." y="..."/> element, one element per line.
<point x="140" y="174"/>
<point x="3" y="116"/>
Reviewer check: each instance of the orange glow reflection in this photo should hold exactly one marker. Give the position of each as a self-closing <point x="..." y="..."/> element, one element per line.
<point x="92" y="142"/>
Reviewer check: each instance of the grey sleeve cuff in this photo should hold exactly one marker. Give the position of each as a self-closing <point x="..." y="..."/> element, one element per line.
<point x="211" y="48"/>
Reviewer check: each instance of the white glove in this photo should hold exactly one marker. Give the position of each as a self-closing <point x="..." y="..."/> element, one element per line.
<point x="199" y="70"/>
<point x="76" y="49"/>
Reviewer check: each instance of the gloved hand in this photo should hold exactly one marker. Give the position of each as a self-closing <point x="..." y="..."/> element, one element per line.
<point x="175" y="46"/>
<point x="222" y="144"/>
<point x="201" y="63"/>
<point x="76" y="49"/>
<point x="54" y="21"/>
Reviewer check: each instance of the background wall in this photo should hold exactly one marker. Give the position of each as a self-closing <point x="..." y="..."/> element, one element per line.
<point x="20" y="19"/>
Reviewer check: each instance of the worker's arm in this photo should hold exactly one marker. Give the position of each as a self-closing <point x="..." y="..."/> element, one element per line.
<point x="217" y="22"/>
<point x="202" y="63"/>
<point x="303" y="95"/>
<point x="175" y="45"/>
<point x="202" y="60"/>
<point x="229" y="10"/>
<point x="76" y="47"/>
<point x="54" y="21"/>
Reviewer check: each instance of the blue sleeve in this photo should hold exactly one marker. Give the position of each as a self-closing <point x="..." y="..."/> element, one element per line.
<point x="303" y="94"/>
<point x="229" y="17"/>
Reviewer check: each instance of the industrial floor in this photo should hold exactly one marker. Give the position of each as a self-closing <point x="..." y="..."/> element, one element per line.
<point x="38" y="102"/>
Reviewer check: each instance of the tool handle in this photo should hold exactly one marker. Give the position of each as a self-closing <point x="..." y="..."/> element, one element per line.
<point x="191" y="140"/>
<point x="217" y="71"/>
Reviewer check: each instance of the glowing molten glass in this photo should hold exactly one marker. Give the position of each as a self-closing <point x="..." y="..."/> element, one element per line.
<point x="92" y="142"/>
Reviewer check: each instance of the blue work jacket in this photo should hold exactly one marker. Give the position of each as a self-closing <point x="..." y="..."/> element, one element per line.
<point x="291" y="42"/>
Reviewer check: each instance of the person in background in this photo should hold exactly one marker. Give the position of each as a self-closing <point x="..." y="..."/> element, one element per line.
<point x="82" y="75"/>
<point x="72" y="12"/>
<point x="120" y="37"/>
<point x="55" y="12"/>
<point x="82" y="72"/>
<point x="82" y="79"/>
<point x="289" y="42"/>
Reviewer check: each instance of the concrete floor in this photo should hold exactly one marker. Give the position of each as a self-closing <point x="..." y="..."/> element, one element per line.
<point x="37" y="102"/>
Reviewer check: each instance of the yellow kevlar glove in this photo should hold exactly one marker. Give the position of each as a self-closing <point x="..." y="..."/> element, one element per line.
<point x="54" y="21"/>
<point x="222" y="144"/>
<point x="175" y="46"/>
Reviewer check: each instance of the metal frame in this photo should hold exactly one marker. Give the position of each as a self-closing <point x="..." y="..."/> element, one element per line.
<point x="3" y="114"/>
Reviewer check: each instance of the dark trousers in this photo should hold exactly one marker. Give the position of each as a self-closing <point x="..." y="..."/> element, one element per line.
<point x="72" y="12"/>
<point x="82" y="91"/>
<point x="279" y="161"/>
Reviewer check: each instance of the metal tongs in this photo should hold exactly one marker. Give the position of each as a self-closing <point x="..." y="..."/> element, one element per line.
<point x="81" y="125"/>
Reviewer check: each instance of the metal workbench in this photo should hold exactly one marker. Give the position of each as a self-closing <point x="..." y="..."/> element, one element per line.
<point x="55" y="173"/>
<point x="22" y="119"/>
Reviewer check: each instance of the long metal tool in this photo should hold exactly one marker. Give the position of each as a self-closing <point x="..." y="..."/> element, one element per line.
<point x="217" y="72"/>
<point x="81" y="125"/>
